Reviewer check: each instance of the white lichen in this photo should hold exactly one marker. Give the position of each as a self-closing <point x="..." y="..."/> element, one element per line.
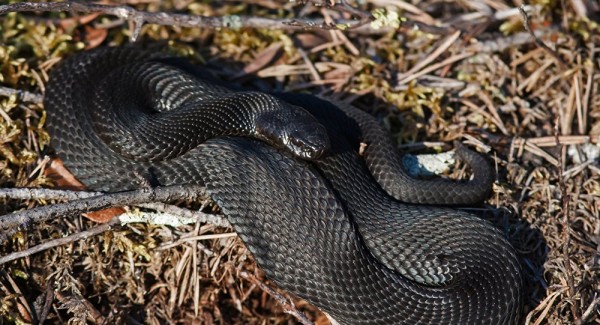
<point x="232" y="21"/>
<point x="428" y="164"/>
<point x="385" y="18"/>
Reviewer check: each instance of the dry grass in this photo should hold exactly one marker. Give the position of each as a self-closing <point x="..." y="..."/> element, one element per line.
<point x="489" y="83"/>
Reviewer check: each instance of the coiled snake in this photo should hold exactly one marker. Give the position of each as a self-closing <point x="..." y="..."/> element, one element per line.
<point x="305" y="204"/>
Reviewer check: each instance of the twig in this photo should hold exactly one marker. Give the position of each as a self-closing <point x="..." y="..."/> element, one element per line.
<point x="389" y="20"/>
<point x="500" y="44"/>
<point x="44" y="194"/>
<point x="22" y="94"/>
<point x="197" y="216"/>
<point x="89" y="312"/>
<point x="137" y="18"/>
<point x="27" y="311"/>
<point x="49" y="298"/>
<point x="563" y="65"/>
<point x="87" y="199"/>
<point x="60" y="241"/>
<point x="67" y="195"/>
<point x="365" y="17"/>
<point x="343" y="6"/>
<point x="566" y="205"/>
<point x="434" y="67"/>
<point x="587" y="315"/>
<point x="286" y="304"/>
<point x="196" y="239"/>
<point x="449" y="41"/>
<point x="550" y="141"/>
<point x="10" y="222"/>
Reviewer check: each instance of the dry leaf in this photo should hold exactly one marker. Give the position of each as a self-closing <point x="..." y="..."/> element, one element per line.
<point x="70" y="23"/>
<point x="62" y="177"/>
<point x="310" y="40"/>
<point x="94" y="37"/>
<point x="104" y="216"/>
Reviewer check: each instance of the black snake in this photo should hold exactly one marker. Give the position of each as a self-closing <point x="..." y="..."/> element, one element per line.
<point x="321" y="227"/>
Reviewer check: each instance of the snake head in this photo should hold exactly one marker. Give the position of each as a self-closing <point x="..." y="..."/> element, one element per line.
<point x="293" y="129"/>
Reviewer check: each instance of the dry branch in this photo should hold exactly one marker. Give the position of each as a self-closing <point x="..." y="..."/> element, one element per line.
<point x="286" y="304"/>
<point x="197" y="216"/>
<point x="10" y="223"/>
<point x="137" y="17"/>
<point x="66" y="195"/>
<point x="566" y="207"/>
<point x="44" y="194"/>
<point x="60" y="241"/>
<point x="563" y="65"/>
<point x="22" y="94"/>
<point x="88" y="201"/>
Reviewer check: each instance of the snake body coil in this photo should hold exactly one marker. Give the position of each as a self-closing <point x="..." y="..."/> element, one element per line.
<point x="322" y="228"/>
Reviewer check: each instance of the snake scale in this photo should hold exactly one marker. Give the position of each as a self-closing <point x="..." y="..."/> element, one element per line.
<point x="285" y="170"/>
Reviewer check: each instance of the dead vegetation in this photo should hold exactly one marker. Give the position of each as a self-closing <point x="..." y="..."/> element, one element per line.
<point x="454" y="69"/>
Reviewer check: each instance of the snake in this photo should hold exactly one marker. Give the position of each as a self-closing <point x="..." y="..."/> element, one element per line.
<point x="349" y="232"/>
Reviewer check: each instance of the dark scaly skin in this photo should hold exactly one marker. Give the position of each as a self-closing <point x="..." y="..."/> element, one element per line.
<point x="385" y="164"/>
<point x="145" y="127"/>
<point x="323" y="230"/>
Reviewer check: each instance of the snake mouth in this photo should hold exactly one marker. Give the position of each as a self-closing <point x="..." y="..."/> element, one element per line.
<point x="303" y="144"/>
<point x="309" y="145"/>
<point x="305" y="150"/>
<point x="294" y="130"/>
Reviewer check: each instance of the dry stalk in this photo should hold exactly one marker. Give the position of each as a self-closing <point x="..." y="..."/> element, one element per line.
<point x="11" y="222"/>
<point x="563" y="65"/>
<point x="136" y="18"/>
<point x="60" y="241"/>
<point x="566" y="234"/>
<point x="21" y="94"/>
<point x="286" y="303"/>
<point x="44" y="194"/>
